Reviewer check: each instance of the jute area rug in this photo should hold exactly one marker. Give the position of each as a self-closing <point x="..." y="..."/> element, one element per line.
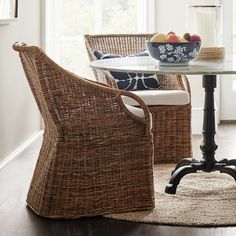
<point x="202" y="199"/>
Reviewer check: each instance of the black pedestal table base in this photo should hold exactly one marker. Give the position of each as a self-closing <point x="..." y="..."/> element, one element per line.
<point x="208" y="146"/>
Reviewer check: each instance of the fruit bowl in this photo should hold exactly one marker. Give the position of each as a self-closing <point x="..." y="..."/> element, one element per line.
<point x="168" y="53"/>
<point x="170" y="49"/>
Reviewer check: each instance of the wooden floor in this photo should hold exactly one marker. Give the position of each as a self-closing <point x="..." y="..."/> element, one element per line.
<point x="17" y="220"/>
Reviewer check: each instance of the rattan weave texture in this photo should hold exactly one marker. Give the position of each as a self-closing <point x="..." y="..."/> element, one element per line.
<point x="96" y="156"/>
<point x="171" y="124"/>
<point x="211" y="53"/>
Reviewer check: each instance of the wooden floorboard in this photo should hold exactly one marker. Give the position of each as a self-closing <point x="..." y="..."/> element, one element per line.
<point x="18" y="220"/>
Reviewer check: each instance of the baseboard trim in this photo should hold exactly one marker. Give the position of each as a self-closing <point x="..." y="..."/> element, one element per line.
<point x="20" y="149"/>
<point x="227" y="121"/>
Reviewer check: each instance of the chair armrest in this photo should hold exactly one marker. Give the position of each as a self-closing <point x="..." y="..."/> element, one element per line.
<point x="147" y="115"/>
<point x="118" y="95"/>
<point x="172" y="82"/>
<point x="175" y="82"/>
<point x="185" y="83"/>
<point x="113" y="94"/>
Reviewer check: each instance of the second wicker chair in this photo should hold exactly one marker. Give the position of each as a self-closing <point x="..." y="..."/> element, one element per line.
<point x="171" y="123"/>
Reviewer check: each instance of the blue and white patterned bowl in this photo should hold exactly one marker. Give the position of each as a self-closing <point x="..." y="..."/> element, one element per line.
<point x="174" y="54"/>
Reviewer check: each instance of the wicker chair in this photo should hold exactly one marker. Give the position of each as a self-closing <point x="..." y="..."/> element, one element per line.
<point x="171" y="123"/>
<point x="97" y="155"/>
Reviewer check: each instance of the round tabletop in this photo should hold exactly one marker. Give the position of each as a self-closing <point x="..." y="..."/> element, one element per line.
<point x="146" y="64"/>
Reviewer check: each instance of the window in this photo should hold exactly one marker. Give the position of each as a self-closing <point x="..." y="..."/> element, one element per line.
<point x="67" y="21"/>
<point x="234" y="27"/>
<point x="234" y="42"/>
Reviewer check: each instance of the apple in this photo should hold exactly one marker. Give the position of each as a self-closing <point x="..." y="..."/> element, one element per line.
<point x="172" y="38"/>
<point x="195" y="38"/>
<point x="171" y="32"/>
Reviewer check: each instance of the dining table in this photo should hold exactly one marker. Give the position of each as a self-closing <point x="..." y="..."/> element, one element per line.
<point x="208" y="69"/>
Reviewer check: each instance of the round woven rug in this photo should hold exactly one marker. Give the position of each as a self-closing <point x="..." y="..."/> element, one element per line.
<point x="202" y="199"/>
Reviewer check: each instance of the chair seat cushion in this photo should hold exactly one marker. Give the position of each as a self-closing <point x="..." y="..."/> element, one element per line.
<point x="131" y="81"/>
<point x="139" y="113"/>
<point x="160" y="97"/>
<point x="136" y="111"/>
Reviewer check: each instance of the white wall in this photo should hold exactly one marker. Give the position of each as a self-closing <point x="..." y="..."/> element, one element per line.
<point x="171" y="16"/>
<point x="19" y="117"/>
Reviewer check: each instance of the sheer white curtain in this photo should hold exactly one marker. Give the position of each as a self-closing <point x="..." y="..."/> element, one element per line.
<point x="234" y="26"/>
<point x="67" y="21"/>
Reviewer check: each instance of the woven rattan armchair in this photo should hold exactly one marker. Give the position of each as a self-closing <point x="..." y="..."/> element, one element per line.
<point x="171" y="123"/>
<point x="96" y="156"/>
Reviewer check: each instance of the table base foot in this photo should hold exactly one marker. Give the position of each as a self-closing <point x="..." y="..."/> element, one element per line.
<point x="184" y="162"/>
<point x="191" y="165"/>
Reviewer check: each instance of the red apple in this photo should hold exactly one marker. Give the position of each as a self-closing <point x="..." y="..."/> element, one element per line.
<point x="171" y="32"/>
<point x="172" y="38"/>
<point x="195" y="38"/>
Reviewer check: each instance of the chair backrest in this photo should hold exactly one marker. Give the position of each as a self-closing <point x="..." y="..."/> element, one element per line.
<point x="30" y="58"/>
<point x="126" y="44"/>
<point x="63" y="97"/>
<point x="122" y="44"/>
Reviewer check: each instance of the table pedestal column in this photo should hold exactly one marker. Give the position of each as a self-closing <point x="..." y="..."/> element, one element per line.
<point x="208" y="146"/>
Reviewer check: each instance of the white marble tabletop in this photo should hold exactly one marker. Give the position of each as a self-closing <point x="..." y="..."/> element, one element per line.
<point x="146" y="64"/>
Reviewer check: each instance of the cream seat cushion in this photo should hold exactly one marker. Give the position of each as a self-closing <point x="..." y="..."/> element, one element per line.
<point x="138" y="112"/>
<point x="160" y="97"/>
